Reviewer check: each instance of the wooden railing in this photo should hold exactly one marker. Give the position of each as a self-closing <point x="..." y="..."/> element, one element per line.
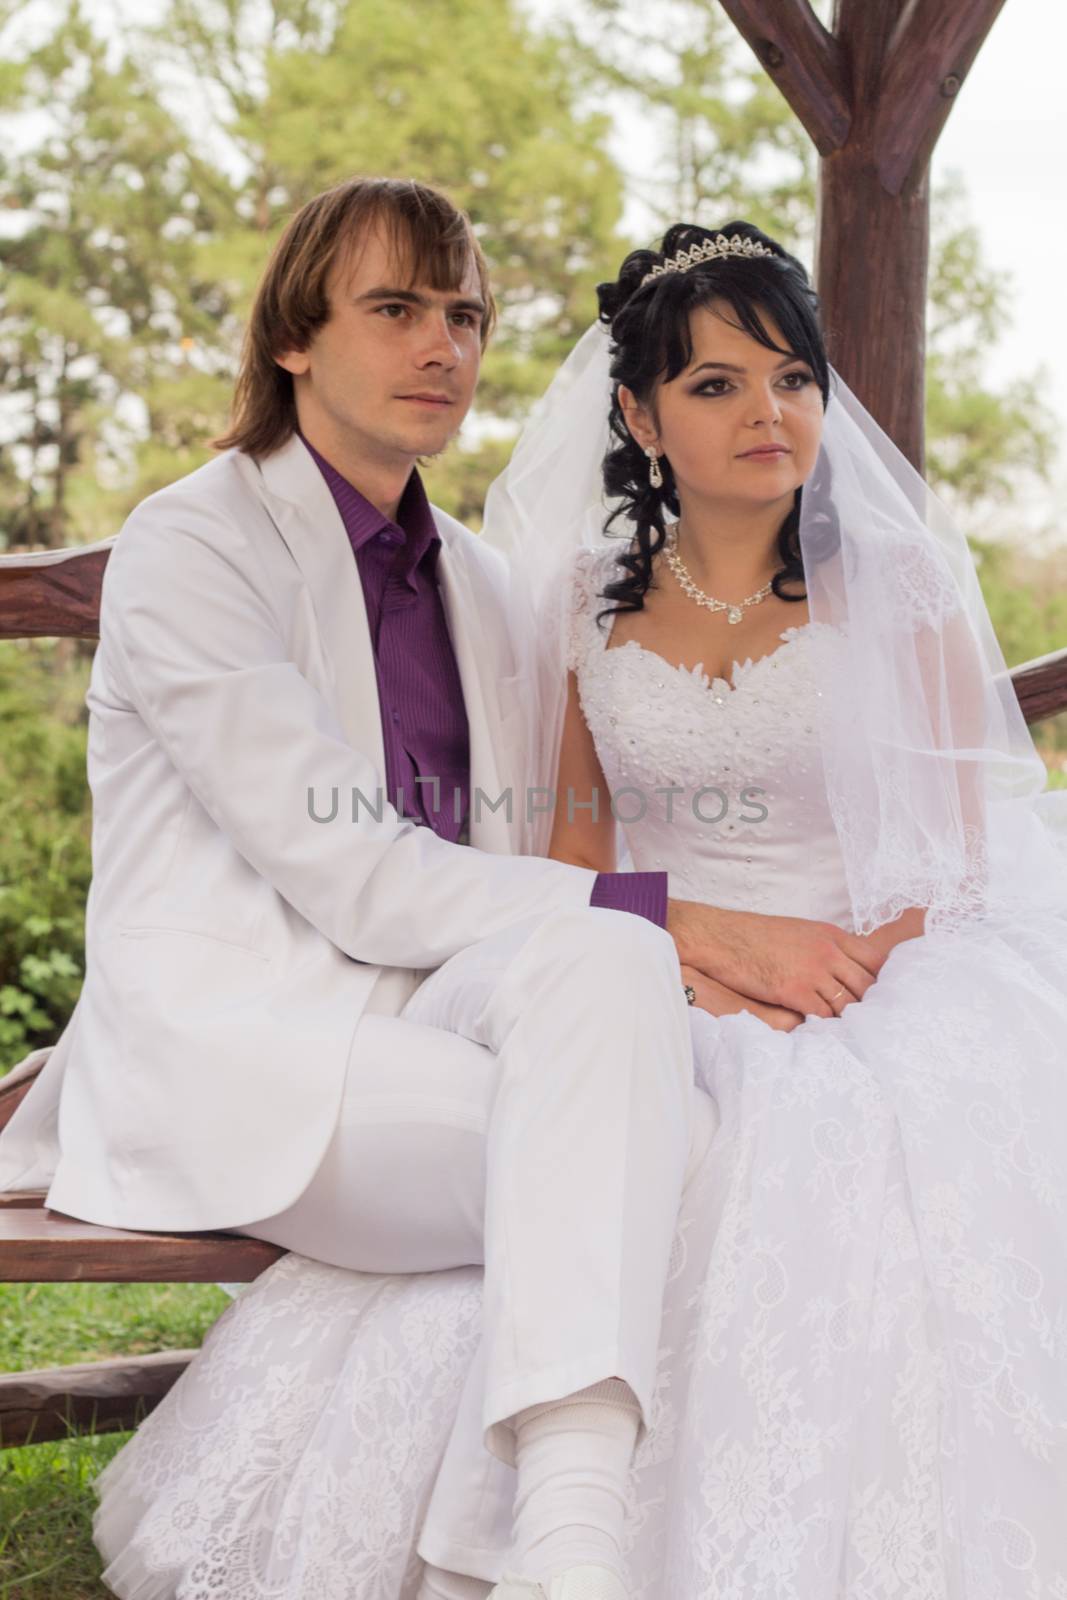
<point x="53" y="594"/>
<point x="57" y="595"/>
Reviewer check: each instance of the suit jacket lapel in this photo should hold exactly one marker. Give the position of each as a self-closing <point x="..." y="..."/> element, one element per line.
<point x="489" y="829"/>
<point x="303" y="510"/>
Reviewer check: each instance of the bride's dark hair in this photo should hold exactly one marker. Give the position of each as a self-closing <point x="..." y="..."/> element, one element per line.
<point x="651" y="340"/>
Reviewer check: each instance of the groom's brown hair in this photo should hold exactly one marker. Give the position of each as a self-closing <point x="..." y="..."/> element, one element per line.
<point x="430" y="236"/>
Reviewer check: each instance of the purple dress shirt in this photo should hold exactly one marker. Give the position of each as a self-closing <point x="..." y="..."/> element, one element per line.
<point x="424" y="718"/>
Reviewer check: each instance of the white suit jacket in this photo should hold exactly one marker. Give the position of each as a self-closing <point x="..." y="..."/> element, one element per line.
<point x="232" y="940"/>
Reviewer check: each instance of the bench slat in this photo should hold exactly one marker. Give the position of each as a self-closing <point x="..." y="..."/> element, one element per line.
<point x="100" y="1396"/>
<point x="41" y="1246"/>
<point x="23" y="1199"/>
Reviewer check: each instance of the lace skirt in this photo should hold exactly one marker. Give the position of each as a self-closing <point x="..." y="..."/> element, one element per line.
<point x="862" y="1389"/>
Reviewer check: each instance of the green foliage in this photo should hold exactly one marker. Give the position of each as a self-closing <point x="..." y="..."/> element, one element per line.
<point x="514" y="149"/>
<point x="727" y="144"/>
<point x="44" y="845"/>
<point x="98" y="286"/>
<point x="125" y="285"/>
<point x="979" y="444"/>
<point x="1027" y="600"/>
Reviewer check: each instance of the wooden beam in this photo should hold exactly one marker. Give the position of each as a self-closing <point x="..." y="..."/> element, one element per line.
<point x="99" y="1396"/>
<point x="929" y="57"/>
<point x="872" y="247"/>
<point x="804" y="60"/>
<point x="871" y="260"/>
<point x="864" y="30"/>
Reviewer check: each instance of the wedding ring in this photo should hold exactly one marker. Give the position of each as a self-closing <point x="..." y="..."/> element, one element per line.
<point x="690" y="993"/>
<point x="836" y="996"/>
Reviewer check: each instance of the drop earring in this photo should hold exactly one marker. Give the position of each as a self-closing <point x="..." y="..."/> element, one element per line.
<point x="655" y="472"/>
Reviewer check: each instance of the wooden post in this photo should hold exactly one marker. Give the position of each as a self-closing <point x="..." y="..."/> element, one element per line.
<point x="874" y="94"/>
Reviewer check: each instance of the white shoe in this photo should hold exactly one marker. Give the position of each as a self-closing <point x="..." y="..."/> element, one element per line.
<point x="577" y="1583"/>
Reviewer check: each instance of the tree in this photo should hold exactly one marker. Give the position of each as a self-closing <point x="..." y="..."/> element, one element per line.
<point x="98" y="292"/>
<point x="466" y="94"/>
<point x="137" y="225"/>
<point x="726" y="143"/>
<point x="44" y="848"/>
<point x="979" y="441"/>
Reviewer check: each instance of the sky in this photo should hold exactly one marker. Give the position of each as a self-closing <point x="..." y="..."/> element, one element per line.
<point x="1007" y="134"/>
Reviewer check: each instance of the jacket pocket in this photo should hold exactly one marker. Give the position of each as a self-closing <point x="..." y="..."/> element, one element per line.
<point x="203" y="935"/>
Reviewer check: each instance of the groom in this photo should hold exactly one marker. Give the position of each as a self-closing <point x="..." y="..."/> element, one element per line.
<point x="303" y="712"/>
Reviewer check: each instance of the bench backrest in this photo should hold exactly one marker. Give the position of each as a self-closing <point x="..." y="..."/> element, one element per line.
<point x="53" y="594"/>
<point x="56" y="594"/>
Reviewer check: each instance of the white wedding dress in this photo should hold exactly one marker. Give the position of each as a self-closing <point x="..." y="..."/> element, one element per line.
<point x="862" y="1388"/>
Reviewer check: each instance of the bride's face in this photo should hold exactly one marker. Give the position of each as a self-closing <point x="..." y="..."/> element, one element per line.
<point x="734" y="397"/>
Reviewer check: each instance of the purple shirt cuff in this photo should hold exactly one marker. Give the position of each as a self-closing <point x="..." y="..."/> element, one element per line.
<point x="643" y="893"/>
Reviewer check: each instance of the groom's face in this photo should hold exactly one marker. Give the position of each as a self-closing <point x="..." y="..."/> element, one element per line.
<point x="392" y="372"/>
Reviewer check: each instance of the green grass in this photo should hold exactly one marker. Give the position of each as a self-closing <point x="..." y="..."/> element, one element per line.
<point x="46" y="1494"/>
<point x="53" y="1324"/>
<point x="46" y="1509"/>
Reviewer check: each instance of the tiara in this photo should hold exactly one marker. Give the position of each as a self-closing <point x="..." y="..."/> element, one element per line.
<point x="710" y="250"/>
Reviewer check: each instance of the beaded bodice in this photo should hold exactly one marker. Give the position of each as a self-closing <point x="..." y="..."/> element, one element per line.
<point x="717" y="782"/>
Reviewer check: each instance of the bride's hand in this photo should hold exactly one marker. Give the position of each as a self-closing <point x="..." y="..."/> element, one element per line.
<point x="911" y="924"/>
<point x="723" y="1002"/>
<point x="814" y="968"/>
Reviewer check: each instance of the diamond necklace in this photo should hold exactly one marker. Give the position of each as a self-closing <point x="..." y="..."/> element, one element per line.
<point x="733" y="612"/>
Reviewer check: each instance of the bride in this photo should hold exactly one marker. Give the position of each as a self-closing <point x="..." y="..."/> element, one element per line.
<point x="761" y="662"/>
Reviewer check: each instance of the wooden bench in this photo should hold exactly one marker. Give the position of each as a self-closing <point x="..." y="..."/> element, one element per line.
<point x="57" y="595"/>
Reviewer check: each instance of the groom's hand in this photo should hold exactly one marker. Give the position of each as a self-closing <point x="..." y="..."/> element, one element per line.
<point x="723" y="1002"/>
<point x="814" y="968"/>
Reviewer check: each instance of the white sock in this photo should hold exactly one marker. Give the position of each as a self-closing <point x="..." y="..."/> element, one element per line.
<point x="437" y="1584"/>
<point x="572" y="1458"/>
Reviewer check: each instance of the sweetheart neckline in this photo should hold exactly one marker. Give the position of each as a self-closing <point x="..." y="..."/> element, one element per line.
<point x="732" y="683"/>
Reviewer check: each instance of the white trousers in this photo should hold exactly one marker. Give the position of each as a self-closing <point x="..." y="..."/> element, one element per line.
<point x="532" y="1109"/>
